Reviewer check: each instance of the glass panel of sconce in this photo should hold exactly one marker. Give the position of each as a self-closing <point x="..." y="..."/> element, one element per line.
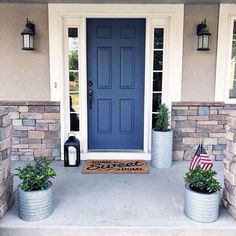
<point x="28" y="36"/>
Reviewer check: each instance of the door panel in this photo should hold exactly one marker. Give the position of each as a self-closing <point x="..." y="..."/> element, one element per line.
<point x="104" y="116"/>
<point x="104" y="56"/>
<point x="115" y="52"/>
<point x="127" y="68"/>
<point x="127" y="116"/>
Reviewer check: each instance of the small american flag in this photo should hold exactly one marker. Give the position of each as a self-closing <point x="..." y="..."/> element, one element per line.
<point x="201" y="158"/>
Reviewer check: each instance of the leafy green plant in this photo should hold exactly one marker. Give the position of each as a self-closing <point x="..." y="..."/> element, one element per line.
<point x="36" y="177"/>
<point x="202" y="181"/>
<point x="162" y="118"/>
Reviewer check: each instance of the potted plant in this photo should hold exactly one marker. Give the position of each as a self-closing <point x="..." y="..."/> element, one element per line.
<point x="35" y="201"/>
<point x="162" y="139"/>
<point x="202" y="195"/>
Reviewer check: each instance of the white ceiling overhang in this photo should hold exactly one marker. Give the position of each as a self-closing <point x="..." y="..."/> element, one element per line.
<point x="123" y="1"/>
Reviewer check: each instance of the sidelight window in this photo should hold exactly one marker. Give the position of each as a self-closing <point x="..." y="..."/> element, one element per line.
<point x="157" y="72"/>
<point x="73" y="65"/>
<point x="232" y="79"/>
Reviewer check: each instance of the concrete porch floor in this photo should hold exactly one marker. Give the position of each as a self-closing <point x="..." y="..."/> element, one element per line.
<point x="108" y="205"/>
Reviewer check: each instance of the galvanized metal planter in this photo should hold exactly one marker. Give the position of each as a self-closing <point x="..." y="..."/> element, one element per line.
<point x="35" y="205"/>
<point x="201" y="207"/>
<point x="162" y="143"/>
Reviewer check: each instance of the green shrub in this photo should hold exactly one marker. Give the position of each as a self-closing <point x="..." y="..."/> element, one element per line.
<point x="202" y="180"/>
<point x="162" y="122"/>
<point x="36" y="177"/>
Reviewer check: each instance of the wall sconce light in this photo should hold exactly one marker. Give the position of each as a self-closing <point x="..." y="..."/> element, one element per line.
<point x="203" y="37"/>
<point x="28" y="36"/>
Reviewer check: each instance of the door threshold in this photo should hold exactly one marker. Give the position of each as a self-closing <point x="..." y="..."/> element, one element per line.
<point x="111" y="155"/>
<point x="116" y="150"/>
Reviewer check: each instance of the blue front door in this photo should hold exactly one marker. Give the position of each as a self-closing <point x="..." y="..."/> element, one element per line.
<point x="116" y="55"/>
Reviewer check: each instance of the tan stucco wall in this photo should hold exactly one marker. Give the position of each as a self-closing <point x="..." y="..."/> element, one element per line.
<point x="24" y="75"/>
<point x="199" y="67"/>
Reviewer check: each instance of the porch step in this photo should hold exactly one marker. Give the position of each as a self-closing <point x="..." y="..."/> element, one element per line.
<point x="118" y="205"/>
<point x="118" y="231"/>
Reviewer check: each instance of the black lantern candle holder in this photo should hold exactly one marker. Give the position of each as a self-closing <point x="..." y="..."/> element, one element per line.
<point x="72" y="151"/>
<point x="28" y="36"/>
<point x="203" y="37"/>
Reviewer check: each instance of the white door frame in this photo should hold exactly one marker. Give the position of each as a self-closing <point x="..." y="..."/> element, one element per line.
<point x="227" y="15"/>
<point x="168" y="16"/>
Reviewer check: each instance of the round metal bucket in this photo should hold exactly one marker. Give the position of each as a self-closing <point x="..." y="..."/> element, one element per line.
<point x="162" y="143"/>
<point x="35" y="205"/>
<point x="201" y="207"/>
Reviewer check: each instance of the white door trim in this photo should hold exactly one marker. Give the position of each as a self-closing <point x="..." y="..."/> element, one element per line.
<point x="227" y="15"/>
<point x="154" y="14"/>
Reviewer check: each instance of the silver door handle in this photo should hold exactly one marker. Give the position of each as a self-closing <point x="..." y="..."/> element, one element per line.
<point x="90" y="98"/>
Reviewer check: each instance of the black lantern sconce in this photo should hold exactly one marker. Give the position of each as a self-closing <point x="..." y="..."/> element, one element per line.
<point x="203" y="34"/>
<point x="72" y="151"/>
<point x="28" y="36"/>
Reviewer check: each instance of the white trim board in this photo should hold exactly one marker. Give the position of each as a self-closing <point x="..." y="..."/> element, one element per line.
<point x="156" y="15"/>
<point x="115" y="156"/>
<point x="226" y="16"/>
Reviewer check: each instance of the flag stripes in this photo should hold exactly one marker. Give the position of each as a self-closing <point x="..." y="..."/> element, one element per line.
<point x="201" y="158"/>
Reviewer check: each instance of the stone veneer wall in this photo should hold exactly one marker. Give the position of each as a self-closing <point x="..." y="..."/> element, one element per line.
<point x="6" y="178"/>
<point x="35" y="129"/>
<point x="229" y="194"/>
<point x="192" y="121"/>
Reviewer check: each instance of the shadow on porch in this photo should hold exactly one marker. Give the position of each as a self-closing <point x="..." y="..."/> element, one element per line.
<point x="150" y="204"/>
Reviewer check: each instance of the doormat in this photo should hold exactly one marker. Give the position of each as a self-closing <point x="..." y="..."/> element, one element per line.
<point x="115" y="167"/>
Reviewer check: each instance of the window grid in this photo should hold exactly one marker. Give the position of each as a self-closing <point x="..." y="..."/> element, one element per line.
<point x="157" y="71"/>
<point x="232" y="82"/>
<point x="73" y="65"/>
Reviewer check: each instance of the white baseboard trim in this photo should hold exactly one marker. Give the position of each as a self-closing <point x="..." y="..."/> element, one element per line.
<point x="116" y="156"/>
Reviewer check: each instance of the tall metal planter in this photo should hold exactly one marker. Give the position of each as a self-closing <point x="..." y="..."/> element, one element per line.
<point x="35" y="205"/>
<point x="201" y="207"/>
<point x="162" y="142"/>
